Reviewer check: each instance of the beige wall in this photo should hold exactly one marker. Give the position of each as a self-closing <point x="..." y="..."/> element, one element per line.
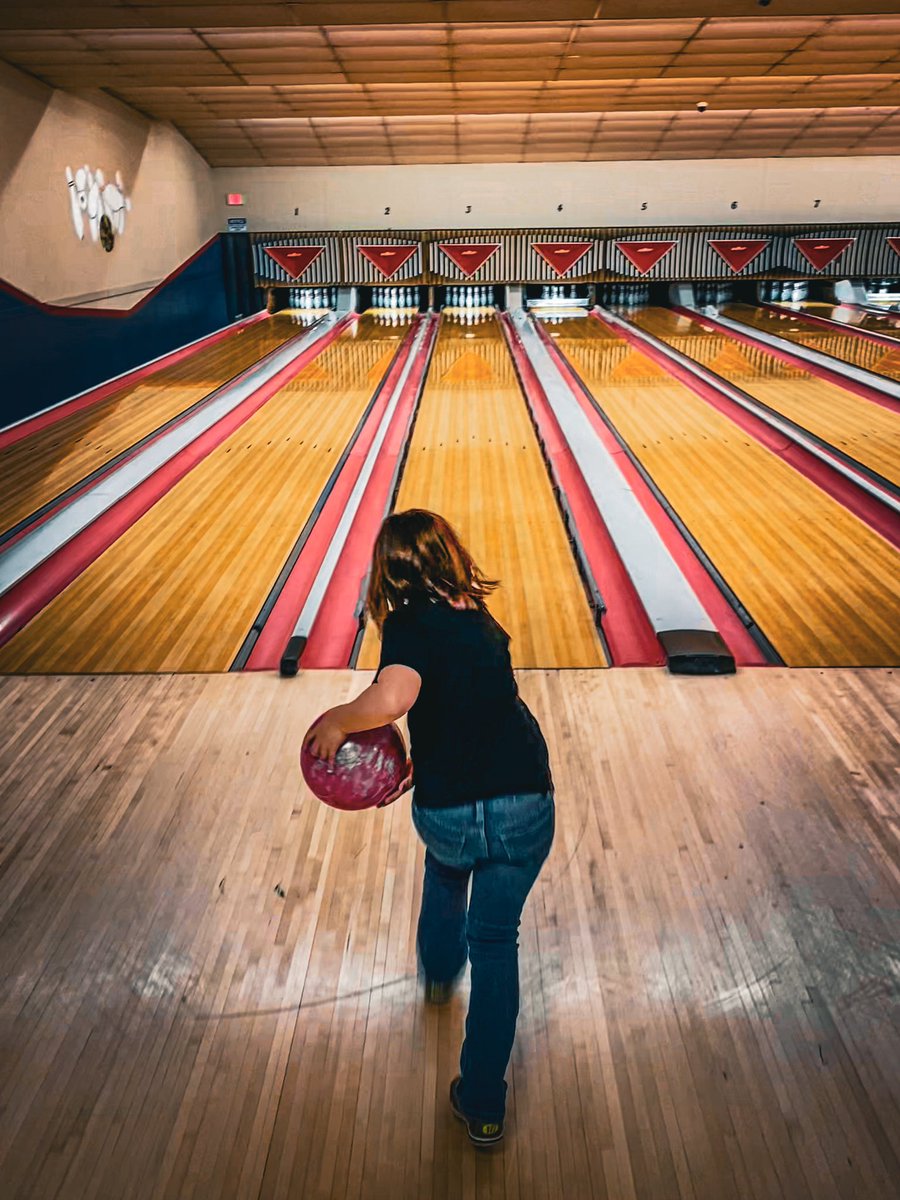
<point x="525" y="194"/>
<point x="172" y="209"/>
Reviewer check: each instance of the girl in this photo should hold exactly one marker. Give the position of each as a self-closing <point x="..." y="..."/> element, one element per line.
<point x="483" y="802"/>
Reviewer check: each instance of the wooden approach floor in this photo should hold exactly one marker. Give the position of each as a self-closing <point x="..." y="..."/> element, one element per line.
<point x="210" y="989"/>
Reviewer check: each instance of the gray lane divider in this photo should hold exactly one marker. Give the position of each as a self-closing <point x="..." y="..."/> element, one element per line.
<point x="670" y="601"/>
<point x="867" y="480"/>
<point x="323" y="577"/>
<point x="878" y="383"/>
<point x="34" y="548"/>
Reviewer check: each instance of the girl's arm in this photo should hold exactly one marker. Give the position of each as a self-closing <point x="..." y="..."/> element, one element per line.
<point x="382" y="702"/>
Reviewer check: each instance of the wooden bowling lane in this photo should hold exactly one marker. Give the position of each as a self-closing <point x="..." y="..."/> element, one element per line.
<point x="858" y="318"/>
<point x="41" y="466"/>
<point x="859" y="352"/>
<point x="824" y="588"/>
<point x="179" y="590"/>
<point x="474" y="458"/>
<point x="866" y="431"/>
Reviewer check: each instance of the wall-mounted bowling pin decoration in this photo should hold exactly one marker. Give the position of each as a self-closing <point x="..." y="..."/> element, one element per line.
<point x="94" y="203"/>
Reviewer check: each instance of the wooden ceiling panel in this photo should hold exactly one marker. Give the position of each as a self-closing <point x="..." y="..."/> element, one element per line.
<point x="305" y="82"/>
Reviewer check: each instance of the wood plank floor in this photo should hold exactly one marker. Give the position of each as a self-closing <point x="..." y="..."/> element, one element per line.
<point x="181" y="588"/>
<point x="860" y="352"/>
<point x="866" y="431"/>
<point x="210" y="987"/>
<point x="41" y="466"/>
<point x="822" y="586"/>
<point x="474" y="458"/>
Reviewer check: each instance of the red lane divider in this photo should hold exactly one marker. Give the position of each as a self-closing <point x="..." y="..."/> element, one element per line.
<point x="626" y="626"/>
<point x="832" y="375"/>
<point x="23" y="601"/>
<point x="266" y="653"/>
<point x="732" y="629"/>
<point x="336" y="626"/>
<point x="861" y="503"/>
<point x="8" y="437"/>
<point x="869" y="335"/>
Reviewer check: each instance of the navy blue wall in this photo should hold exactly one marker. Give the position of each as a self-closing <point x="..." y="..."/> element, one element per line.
<point x="48" y="356"/>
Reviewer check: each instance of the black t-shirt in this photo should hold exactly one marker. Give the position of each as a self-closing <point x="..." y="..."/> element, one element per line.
<point x="471" y="734"/>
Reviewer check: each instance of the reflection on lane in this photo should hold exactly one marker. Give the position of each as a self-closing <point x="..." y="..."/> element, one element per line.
<point x="474" y="458"/>
<point x="865" y="430"/>
<point x="821" y="585"/>
<point x="180" y="589"/>
<point x="871" y="356"/>
<point x="48" y="462"/>
<point x="845" y="314"/>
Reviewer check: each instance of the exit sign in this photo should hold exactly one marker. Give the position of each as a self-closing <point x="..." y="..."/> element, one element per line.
<point x="234" y="198"/>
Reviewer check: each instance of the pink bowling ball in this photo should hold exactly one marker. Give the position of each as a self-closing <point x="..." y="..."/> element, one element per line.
<point x="368" y="766"/>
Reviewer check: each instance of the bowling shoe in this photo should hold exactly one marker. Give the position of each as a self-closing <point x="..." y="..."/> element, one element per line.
<point x="437" y="992"/>
<point x="481" y="1133"/>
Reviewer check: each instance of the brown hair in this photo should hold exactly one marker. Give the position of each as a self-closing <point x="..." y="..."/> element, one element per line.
<point x="418" y="555"/>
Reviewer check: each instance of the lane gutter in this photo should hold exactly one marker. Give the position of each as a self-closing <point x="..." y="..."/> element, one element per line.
<point x="329" y="629"/>
<point x="630" y="639"/>
<point x="33" y="571"/>
<point x="60" y="501"/>
<point x="856" y="491"/>
<point x="336" y="490"/>
<point x="34" y="422"/>
<point x="879" y="389"/>
<point x="748" y="642"/>
<point x="869" y="335"/>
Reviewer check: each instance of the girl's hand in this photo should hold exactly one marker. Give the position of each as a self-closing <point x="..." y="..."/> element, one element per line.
<point x="325" y="738"/>
<point x="403" y="786"/>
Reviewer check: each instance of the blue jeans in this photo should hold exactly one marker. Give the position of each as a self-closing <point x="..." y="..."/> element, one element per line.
<point x="501" y="844"/>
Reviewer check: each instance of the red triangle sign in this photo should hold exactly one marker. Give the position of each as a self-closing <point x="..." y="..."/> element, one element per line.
<point x="561" y="256"/>
<point x="469" y="257"/>
<point x="388" y="259"/>
<point x="894" y="243"/>
<point x="738" y="254"/>
<point x="296" y="260"/>
<point x="822" y="251"/>
<point x="644" y="256"/>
